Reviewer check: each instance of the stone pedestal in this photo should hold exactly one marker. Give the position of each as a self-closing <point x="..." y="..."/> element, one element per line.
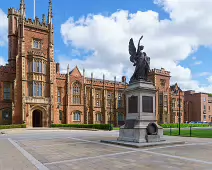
<point x="140" y="125"/>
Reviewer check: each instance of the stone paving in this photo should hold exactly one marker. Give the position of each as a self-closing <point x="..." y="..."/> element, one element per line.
<point x="77" y="150"/>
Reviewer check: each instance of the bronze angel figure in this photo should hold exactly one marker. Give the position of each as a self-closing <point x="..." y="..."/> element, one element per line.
<point x="140" y="60"/>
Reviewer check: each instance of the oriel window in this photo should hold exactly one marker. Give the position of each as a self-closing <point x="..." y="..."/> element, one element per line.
<point x="37" y="88"/>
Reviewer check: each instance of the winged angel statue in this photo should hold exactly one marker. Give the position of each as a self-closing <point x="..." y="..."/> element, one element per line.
<point x="140" y="60"/>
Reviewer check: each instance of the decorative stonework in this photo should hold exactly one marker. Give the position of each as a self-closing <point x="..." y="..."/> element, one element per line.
<point x="36" y="53"/>
<point x="37" y="100"/>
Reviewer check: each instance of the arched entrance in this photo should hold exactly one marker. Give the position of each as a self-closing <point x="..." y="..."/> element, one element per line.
<point x="37" y="118"/>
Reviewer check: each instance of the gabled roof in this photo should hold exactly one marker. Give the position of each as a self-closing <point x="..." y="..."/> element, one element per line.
<point x="175" y="86"/>
<point x="75" y="72"/>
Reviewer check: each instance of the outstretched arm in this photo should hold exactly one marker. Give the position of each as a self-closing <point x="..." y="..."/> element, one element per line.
<point x="139" y="41"/>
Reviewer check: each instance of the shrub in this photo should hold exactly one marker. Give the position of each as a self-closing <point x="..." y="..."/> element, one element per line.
<point x="12" y="126"/>
<point x="183" y="125"/>
<point x="90" y="126"/>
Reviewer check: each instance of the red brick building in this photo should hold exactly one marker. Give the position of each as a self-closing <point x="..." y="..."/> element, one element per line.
<point x="198" y="107"/>
<point x="33" y="91"/>
<point x="167" y="97"/>
<point x="161" y="80"/>
<point x="176" y="104"/>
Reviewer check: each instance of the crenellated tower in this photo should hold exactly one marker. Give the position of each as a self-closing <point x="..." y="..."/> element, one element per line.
<point x="31" y="53"/>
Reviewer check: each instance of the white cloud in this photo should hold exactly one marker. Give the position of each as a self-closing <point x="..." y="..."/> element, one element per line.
<point x="194" y="58"/>
<point x="209" y="79"/>
<point x="3" y="28"/>
<point x="2" y="61"/>
<point x="203" y="74"/>
<point x="167" y="42"/>
<point x="197" y="63"/>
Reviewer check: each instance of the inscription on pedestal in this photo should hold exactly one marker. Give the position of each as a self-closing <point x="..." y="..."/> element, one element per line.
<point x="133" y="104"/>
<point x="147" y="104"/>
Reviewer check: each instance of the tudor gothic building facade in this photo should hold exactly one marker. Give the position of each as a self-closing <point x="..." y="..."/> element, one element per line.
<point x="34" y="92"/>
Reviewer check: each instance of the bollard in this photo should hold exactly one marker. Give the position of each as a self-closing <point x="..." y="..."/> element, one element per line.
<point x="170" y="130"/>
<point x="190" y="131"/>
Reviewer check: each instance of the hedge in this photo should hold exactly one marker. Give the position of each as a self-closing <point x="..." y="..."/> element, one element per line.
<point x="12" y="126"/>
<point x="90" y="126"/>
<point x="176" y="125"/>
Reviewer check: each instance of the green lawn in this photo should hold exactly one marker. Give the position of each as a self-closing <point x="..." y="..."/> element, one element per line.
<point x="204" y="133"/>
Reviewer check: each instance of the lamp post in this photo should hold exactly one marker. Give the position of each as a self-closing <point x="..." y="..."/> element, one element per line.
<point x="110" y="111"/>
<point x="179" y="115"/>
<point x="179" y="112"/>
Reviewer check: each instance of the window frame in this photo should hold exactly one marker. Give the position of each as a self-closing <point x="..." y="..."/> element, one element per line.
<point x="37" y="89"/>
<point x="39" y="44"/>
<point x="59" y="95"/>
<point x="77" y="114"/>
<point x="99" y="117"/>
<point x="122" y="116"/>
<point x="60" y="115"/>
<point x="9" y="113"/>
<point x="7" y="92"/>
<point x="76" y="93"/>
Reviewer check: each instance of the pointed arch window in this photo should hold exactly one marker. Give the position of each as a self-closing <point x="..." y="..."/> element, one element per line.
<point x="99" y="117"/>
<point x="77" y="116"/>
<point x="76" y="93"/>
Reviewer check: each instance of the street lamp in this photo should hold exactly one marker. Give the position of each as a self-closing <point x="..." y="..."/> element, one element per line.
<point x="110" y="111"/>
<point x="179" y="115"/>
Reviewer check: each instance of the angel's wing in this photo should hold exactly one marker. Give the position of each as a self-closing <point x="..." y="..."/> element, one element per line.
<point x="132" y="49"/>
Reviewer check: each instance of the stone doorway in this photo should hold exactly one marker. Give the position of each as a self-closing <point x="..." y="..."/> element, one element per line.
<point x="37" y="118"/>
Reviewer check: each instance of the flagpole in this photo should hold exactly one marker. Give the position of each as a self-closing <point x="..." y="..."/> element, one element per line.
<point x="34" y="9"/>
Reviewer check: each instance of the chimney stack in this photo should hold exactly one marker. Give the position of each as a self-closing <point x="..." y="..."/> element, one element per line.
<point x="57" y="67"/>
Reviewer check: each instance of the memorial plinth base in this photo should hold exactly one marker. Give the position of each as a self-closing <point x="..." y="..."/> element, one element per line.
<point x="140" y="125"/>
<point x="142" y="145"/>
<point x="139" y="135"/>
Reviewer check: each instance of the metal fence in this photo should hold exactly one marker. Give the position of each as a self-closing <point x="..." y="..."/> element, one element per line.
<point x="202" y="132"/>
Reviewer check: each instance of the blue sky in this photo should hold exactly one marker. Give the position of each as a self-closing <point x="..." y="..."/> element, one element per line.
<point x="195" y="65"/>
<point x="76" y="9"/>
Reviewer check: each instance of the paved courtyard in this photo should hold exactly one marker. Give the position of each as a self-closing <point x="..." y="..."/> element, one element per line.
<point x="77" y="150"/>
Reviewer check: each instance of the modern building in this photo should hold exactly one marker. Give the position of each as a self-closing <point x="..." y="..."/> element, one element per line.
<point x="198" y="106"/>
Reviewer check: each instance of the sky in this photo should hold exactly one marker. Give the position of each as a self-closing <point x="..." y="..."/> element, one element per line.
<point x="94" y="35"/>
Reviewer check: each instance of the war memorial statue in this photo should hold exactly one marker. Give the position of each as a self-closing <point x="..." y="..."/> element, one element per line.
<point x="140" y="60"/>
<point x="140" y="128"/>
